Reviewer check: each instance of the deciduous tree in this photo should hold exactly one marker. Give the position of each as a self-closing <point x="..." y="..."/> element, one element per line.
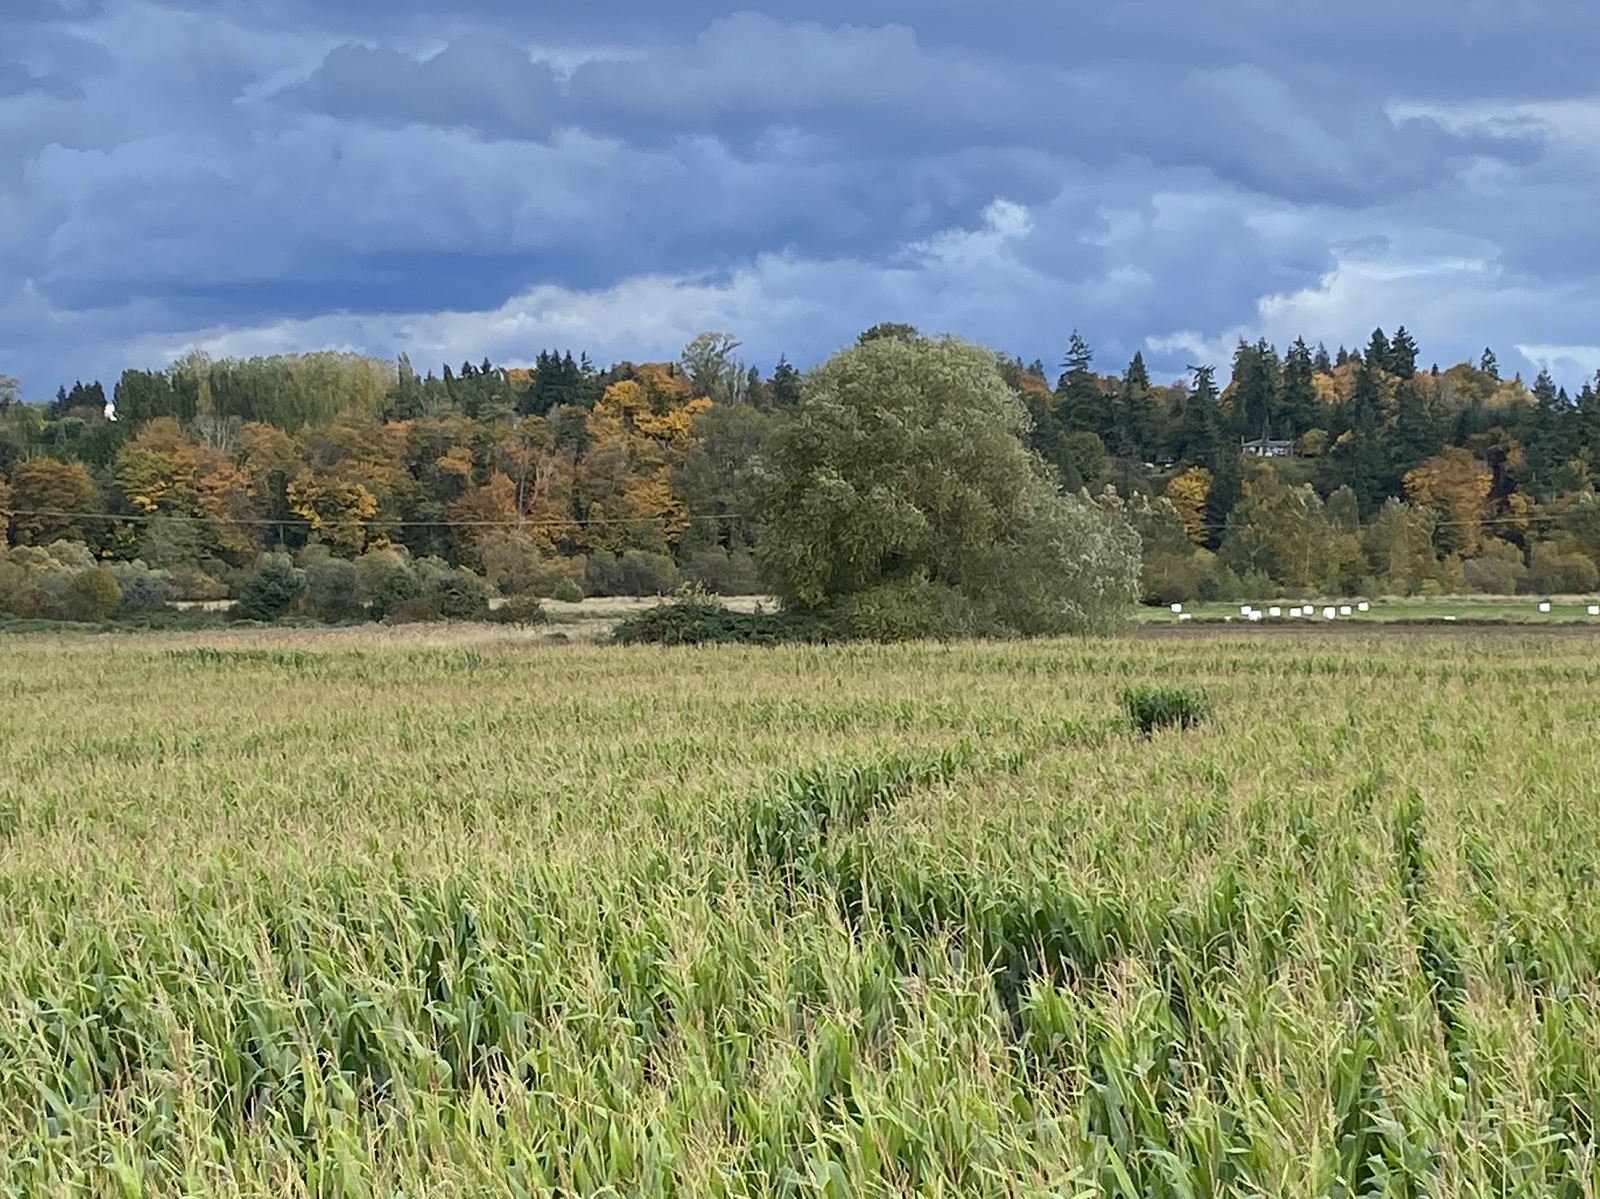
<point x="51" y="500"/>
<point x="905" y="467"/>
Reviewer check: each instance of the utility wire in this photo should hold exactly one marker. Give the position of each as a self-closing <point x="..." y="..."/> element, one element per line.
<point x="146" y="517"/>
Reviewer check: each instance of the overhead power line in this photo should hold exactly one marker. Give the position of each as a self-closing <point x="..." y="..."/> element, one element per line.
<point x="265" y="521"/>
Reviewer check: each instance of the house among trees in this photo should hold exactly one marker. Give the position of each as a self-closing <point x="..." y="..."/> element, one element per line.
<point x="1266" y="447"/>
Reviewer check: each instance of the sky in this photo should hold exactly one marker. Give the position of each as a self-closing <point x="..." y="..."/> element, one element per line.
<point x="461" y="179"/>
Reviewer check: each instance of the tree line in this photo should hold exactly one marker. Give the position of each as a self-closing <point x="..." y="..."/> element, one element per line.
<point x="1306" y="473"/>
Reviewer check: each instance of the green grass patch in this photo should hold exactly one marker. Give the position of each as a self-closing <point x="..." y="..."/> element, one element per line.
<point x="1152" y="708"/>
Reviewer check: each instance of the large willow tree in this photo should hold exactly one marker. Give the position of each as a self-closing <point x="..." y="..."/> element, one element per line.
<point x="902" y="492"/>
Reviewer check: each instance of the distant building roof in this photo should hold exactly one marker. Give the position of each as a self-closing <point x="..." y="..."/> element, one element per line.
<point x="1268" y="447"/>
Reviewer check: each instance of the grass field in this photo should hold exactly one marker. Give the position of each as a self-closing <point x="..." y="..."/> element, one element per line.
<point x="1470" y="609"/>
<point x="377" y="913"/>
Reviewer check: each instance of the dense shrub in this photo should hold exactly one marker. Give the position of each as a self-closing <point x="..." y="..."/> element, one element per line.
<point x="143" y="589"/>
<point x="1557" y="570"/>
<point x="908" y="610"/>
<point x="92" y="595"/>
<point x="1152" y="708"/>
<point x="1492" y="576"/>
<point x="419" y="609"/>
<point x="21" y="572"/>
<point x="13" y="581"/>
<point x="59" y="582"/>
<point x="377" y="565"/>
<point x="511" y="561"/>
<point x="386" y="580"/>
<point x="567" y="591"/>
<point x="723" y="572"/>
<point x="393" y="590"/>
<point x="430" y="589"/>
<point x="73" y="555"/>
<point x="269" y="591"/>
<point x="1221" y="585"/>
<point x="1175" y="578"/>
<point x="698" y="621"/>
<point x="560" y="574"/>
<point x="458" y="593"/>
<point x="633" y="572"/>
<point x="187" y="582"/>
<point x="64" y="594"/>
<point x="520" y="609"/>
<point x="333" y="590"/>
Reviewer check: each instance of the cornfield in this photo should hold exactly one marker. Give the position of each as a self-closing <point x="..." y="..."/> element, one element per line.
<point x="814" y="921"/>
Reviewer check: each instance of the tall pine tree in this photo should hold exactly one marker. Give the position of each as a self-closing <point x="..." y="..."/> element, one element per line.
<point x="1360" y="458"/>
<point x="1255" y="390"/>
<point x="1080" y="403"/>
<point x="1200" y="426"/>
<point x="1297" y="396"/>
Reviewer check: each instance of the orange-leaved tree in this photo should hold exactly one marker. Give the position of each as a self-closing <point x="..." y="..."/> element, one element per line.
<point x="51" y="500"/>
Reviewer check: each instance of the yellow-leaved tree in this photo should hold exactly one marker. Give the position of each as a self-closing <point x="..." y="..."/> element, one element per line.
<point x="337" y="509"/>
<point x="1455" y="485"/>
<point x="481" y="510"/>
<point x="1188" y="493"/>
<point x="639" y="430"/>
<point x="156" y="470"/>
<point x="541" y="479"/>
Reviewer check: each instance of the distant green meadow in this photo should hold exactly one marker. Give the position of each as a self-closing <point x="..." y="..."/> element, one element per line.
<point x="1470" y="609"/>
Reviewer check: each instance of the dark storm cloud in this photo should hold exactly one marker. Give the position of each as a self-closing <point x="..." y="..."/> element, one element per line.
<point x="492" y="89"/>
<point x="1444" y="48"/>
<point x="351" y="170"/>
<point x="882" y="92"/>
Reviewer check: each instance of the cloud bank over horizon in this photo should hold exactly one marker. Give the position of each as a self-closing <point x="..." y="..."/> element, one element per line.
<point x="473" y="179"/>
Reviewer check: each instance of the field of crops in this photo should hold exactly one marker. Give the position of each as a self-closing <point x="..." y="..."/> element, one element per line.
<point x="495" y="919"/>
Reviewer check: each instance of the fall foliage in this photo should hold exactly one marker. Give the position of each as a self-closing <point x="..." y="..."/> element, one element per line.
<point x="1309" y="472"/>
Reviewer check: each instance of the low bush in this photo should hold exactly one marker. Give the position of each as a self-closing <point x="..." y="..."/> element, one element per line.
<point x="143" y="590"/>
<point x="419" y="609"/>
<point x="187" y="582"/>
<point x="333" y="590"/>
<point x="724" y="572"/>
<point x="699" y="621"/>
<point x="520" y="609"/>
<point x="910" y="610"/>
<point x="633" y="572"/>
<point x="1152" y="708"/>
<point x="269" y="591"/>
<point x="388" y="590"/>
<point x="567" y="591"/>
<point x="460" y="594"/>
<point x="92" y="595"/>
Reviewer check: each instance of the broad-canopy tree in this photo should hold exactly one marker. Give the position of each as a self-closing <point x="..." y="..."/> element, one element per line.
<point x="50" y="501"/>
<point x="904" y="470"/>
